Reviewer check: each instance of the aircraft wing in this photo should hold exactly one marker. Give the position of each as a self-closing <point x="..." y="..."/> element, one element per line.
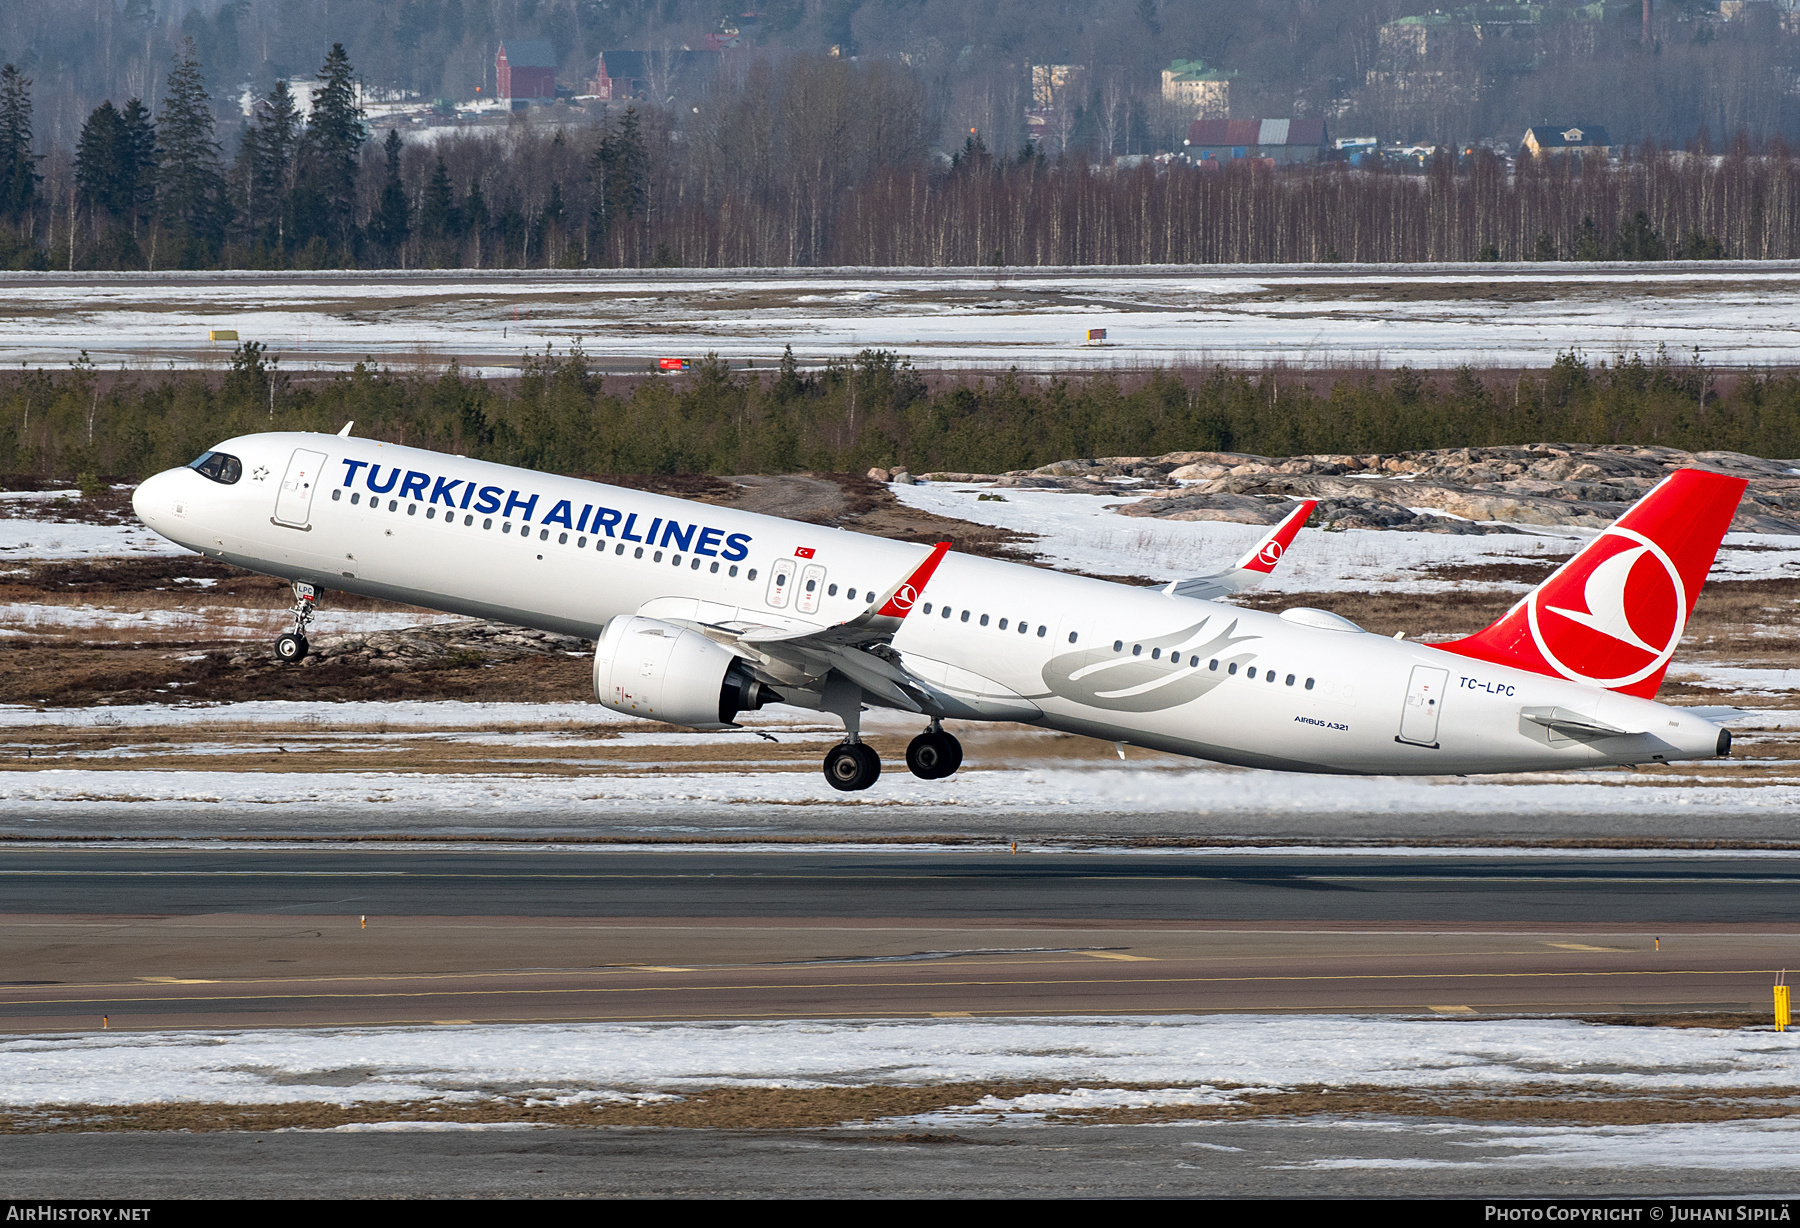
<point x="1254" y="567"/>
<point x="858" y="648"/>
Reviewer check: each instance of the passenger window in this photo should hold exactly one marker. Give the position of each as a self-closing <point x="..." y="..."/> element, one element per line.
<point x="1024" y="627"/>
<point x="619" y="551"/>
<point x="1071" y="637"/>
<point x="393" y="505"/>
<point x="1042" y="630"/>
<point x="1156" y="654"/>
<point x="695" y="566"/>
<point x="948" y="611"/>
<point x="487" y="523"/>
<point x="984" y="620"/>
<point x="355" y="498"/>
<point x="543" y="534"/>
<point x="580" y="542"/>
<point x="431" y="513"/>
<point x="638" y="553"/>
<point x="337" y="494"/>
<point x="1212" y="665"/>
<point x="965" y="616"/>
<point x="850" y="594"/>
<point x="1137" y="650"/>
<point x="1003" y="624"/>
<point x="412" y="509"/>
<point x="714" y="569"/>
<point x="927" y="609"/>
<point x="657" y="557"/>
<point x="562" y="539"/>
<point x="676" y="560"/>
<point x="1290" y="680"/>
<point x="1309" y="684"/>
<point x="1232" y="669"/>
<point x="732" y="572"/>
<point x="831" y="590"/>
<point x="1271" y="675"/>
<point x="751" y="574"/>
<point x="1118" y="645"/>
<point x="506" y="526"/>
<point x="1251" y="673"/>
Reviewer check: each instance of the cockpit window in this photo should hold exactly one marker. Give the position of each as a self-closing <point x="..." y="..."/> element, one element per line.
<point x="219" y="467"/>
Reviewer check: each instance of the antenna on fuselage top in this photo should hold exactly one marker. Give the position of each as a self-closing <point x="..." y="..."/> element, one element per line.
<point x="346" y="431"/>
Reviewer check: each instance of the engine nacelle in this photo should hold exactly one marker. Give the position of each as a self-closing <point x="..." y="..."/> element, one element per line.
<point x="656" y="670"/>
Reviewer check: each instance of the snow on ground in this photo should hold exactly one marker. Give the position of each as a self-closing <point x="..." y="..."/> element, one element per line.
<point x="1048" y="793"/>
<point x="1079" y="532"/>
<point x="47" y="539"/>
<point x="1744" y="1145"/>
<point x="1194" y="1056"/>
<point x="1744" y="315"/>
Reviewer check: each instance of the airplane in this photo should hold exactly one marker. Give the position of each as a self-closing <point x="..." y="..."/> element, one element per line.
<point x="701" y="613"/>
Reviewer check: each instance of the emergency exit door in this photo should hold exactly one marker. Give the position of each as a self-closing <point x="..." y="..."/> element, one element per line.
<point x="293" y="502"/>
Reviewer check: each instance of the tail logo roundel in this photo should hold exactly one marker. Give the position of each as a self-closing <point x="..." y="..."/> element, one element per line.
<point x="1270" y="553"/>
<point x="904" y="596"/>
<point x="1619" y="612"/>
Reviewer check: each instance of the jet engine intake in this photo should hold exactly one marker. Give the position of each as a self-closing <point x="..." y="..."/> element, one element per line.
<point x="653" y="669"/>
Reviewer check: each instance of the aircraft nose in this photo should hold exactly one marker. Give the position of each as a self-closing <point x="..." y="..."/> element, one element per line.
<point x="151" y="499"/>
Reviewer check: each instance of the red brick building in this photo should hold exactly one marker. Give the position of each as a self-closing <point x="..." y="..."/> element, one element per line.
<point x="525" y="68"/>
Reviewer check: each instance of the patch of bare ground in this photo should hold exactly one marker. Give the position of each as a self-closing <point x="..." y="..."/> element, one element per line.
<point x="107" y="507"/>
<point x="50" y="675"/>
<point x="160" y="583"/>
<point x="775" y="1108"/>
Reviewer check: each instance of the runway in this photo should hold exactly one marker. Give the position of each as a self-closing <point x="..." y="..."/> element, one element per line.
<point x="154" y="938"/>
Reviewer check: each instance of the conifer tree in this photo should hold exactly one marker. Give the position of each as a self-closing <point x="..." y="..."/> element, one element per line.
<point x="191" y="187"/>
<point x="265" y="169"/>
<point x="103" y="162"/>
<point x="334" y="138"/>
<point x="392" y="223"/>
<point x="140" y="141"/>
<point x="19" y="176"/>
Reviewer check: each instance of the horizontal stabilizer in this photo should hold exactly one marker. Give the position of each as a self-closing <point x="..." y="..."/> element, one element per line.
<point x="1574" y="725"/>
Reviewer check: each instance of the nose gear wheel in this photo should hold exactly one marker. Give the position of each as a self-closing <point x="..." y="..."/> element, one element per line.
<point x="292" y="647"/>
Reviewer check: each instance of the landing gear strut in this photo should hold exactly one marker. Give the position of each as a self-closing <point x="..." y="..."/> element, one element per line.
<point x="291" y="648"/>
<point x="934" y="754"/>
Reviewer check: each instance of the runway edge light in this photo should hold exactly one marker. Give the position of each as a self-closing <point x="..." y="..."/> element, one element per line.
<point x="1782" y="1014"/>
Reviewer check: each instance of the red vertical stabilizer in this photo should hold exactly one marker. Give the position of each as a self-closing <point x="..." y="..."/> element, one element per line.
<point x="1612" y="615"/>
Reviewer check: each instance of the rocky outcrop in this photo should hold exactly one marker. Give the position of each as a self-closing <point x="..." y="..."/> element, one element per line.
<point x="1452" y="490"/>
<point x="470" y="642"/>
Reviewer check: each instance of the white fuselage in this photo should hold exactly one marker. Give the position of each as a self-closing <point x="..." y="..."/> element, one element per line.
<point x="1018" y="643"/>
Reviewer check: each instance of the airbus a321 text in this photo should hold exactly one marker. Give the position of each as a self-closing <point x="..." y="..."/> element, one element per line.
<point x="700" y="613"/>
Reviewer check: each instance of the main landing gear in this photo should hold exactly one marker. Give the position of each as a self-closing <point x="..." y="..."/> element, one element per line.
<point x="934" y="754"/>
<point x="291" y="648"/>
<point x="853" y="765"/>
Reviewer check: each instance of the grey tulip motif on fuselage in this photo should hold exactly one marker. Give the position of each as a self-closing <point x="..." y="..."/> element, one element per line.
<point x="1120" y="682"/>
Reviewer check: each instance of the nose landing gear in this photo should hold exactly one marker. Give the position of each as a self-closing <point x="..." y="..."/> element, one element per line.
<point x="291" y="648"/>
<point x="934" y="754"/>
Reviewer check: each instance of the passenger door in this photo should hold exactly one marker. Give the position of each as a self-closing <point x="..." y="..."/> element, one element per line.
<point x="781" y="582"/>
<point x="293" y="502"/>
<point x="1424" y="705"/>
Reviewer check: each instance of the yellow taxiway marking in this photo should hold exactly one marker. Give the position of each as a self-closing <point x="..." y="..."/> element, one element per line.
<point x="997" y="983"/>
<point x="1582" y="946"/>
<point x="652" y="968"/>
<point x="173" y="980"/>
<point x="1453" y="1010"/>
<point x="1145" y="959"/>
<point x="951" y="1014"/>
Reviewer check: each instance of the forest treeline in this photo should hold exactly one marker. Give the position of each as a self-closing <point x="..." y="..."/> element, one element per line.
<point x="824" y="162"/>
<point x="561" y="416"/>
